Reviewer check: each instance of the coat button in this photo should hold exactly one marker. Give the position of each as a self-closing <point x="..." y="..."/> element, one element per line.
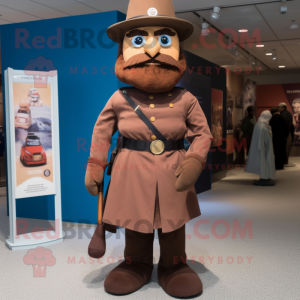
<point x="171" y="105"/>
<point x="151" y="97"/>
<point x="152" y="105"/>
<point x="152" y="119"/>
<point x="153" y="137"/>
<point x="170" y="94"/>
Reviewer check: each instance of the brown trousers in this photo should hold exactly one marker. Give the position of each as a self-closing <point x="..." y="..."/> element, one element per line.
<point x="139" y="247"/>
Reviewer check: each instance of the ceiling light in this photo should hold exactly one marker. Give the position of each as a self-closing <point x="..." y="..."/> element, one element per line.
<point x="230" y="44"/>
<point x="274" y="55"/>
<point x="235" y="51"/>
<point x="281" y="67"/>
<point x="283" y="7"/>
<point x="294" y="26"/>
<point x="215" y="14"/>
<point x="205" y="29"/>
<point x="260" y="46"/>
<point x="243" y="30"/>
<point x="269" y="53"/>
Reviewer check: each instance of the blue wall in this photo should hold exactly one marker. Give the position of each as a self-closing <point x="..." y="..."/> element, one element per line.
<point x="85" y="83"/>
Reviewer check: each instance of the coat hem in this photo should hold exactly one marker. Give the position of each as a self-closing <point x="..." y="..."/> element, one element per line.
<point x="110" y="225"/>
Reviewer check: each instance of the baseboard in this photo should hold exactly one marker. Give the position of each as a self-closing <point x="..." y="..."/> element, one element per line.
<point x="218" y="176"/>
<point x="295" y="151"/>
<point x="229" y="159"/>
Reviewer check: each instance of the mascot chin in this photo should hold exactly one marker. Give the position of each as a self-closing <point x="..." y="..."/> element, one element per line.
<point x="153" y="177"/>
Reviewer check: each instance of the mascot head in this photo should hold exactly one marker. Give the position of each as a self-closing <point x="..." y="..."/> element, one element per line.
<point x="150" y="57"/>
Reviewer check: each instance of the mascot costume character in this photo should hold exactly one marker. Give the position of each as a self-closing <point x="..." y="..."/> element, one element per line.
<point x="153" y="177"/>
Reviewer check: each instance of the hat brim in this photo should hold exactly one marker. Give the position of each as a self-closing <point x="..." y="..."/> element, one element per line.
<point x="183" y="28"/>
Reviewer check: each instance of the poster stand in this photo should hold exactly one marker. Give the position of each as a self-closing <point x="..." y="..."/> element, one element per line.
<point x="53" y="235"/>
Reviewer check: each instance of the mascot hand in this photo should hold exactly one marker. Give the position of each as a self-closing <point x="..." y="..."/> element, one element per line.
<point x="93" y="178"/>
<point x="187" y="174"/>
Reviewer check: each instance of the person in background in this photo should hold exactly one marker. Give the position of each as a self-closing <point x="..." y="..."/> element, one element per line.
<point x="296" y="120"/>
<point x="280" y="133"/>
<point x="247" y="128"/>
<point x="282" y="107"/>
<point x="261" y="154"/>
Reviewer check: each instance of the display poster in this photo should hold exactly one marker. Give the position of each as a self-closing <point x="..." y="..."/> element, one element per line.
<point x="234" y="110"/>
<point x="292" y="92"/>
<point x="249" y="95"/>
<point x="32" y="115"/>
<point x="216" y="117"/>
<point x="229" y="113"/>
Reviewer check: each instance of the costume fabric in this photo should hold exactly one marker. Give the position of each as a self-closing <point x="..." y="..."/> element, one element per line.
<point x="289" y="121"/>
<point x="261" y="155"/>
<point x="280" y="133"/>
<point x="247" y="128"/>
<point x="138" y="177"/>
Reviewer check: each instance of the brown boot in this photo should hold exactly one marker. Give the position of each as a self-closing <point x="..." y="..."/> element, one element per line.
<point x="174" y="275"/>
<point x="137" y="268"/>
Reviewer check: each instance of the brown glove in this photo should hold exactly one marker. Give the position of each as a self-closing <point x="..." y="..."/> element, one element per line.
<point x="94" y="176"/>
<point x="187" y="174"/>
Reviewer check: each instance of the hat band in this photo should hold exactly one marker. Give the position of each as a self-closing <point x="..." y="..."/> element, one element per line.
<point x="142" y="16"/>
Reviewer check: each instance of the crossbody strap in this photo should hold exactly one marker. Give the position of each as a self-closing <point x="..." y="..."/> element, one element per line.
<point x="136" y="108"/>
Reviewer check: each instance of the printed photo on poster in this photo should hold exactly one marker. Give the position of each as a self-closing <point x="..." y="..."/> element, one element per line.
<point x="292" y="92"/>
<point x="249" y="95"/>
<point x="216" y="117"/>
<point x="239" y="101"/>
<point x="296" y="121"/>
<point x="33" y="138"/>
<point x="229" y="113"/>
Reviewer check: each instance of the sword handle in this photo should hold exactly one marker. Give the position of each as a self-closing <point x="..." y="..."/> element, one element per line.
<point x="100" y="204"/>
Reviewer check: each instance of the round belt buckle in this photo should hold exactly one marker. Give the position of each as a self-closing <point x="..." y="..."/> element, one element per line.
<point x="157" y="147"/>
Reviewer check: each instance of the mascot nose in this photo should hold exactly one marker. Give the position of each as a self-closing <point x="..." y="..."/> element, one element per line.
<point x="152" y="46"/>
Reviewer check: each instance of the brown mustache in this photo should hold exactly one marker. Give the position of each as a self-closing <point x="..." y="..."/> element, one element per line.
<point x="144" y="58"/>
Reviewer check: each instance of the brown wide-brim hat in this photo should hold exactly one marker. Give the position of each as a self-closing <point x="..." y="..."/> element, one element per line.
<point x="143" y="13"/>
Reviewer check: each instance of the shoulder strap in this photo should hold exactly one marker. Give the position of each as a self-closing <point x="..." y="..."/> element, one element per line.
<point x="142" y="116"/>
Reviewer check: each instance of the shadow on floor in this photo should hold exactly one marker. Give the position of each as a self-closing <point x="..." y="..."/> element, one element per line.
<point x="96" y="278"/>
<point x="237" y="181"/>
<point x="2" y="191"/>
<point x="23" y="226"/>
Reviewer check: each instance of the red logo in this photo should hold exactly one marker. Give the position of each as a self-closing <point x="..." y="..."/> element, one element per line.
<point x="39" y="258"/>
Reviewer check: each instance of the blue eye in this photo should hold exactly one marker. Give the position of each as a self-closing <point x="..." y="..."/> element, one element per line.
<point x="138" y="41"/>
<point x="165" y="40"/>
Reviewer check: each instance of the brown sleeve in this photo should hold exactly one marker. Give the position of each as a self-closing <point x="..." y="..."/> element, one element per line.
<point x="198" y="133"/>
<point x="104" y="129"/>
<point x="96" y="161"/>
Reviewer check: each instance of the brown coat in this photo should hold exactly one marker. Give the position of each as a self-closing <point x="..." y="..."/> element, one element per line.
<point x="139" y="178"/>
